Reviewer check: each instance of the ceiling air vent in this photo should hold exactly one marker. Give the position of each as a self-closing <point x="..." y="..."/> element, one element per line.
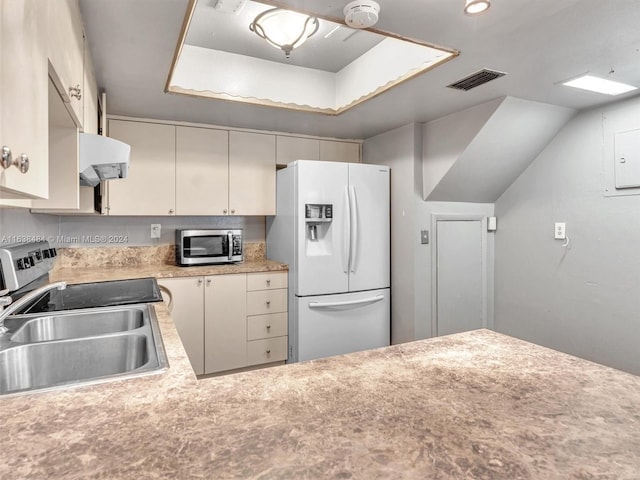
<point x="476" y="79"/>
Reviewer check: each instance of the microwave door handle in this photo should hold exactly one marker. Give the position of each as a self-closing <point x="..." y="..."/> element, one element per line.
<point x="229" y="245"/>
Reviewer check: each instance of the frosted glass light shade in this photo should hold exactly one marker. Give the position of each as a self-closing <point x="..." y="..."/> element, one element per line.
<point x="284" y="29"/>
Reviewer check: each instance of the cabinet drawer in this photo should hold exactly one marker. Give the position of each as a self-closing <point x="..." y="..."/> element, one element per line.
<point x="266" y="326"/>
<point x="266" y="301"/>
<point x="267" y="350"/>
<point x="266" y="280"/>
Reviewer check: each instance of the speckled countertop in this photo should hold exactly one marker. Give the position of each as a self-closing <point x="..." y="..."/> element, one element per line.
<point x="97" y="274"/>
<point x="477" y="405"/>
<point x="79" y="265"/>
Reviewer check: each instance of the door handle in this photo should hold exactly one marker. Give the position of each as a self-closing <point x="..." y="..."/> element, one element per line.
<point x="375" y="299"/>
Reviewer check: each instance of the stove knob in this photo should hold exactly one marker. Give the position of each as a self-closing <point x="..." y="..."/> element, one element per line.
<point x="32" y="262"/>
<point x="54" y="252"/>
<point x="20" y="264"/>
<point x="45" y="253"/>
<point x="27" y="262"/>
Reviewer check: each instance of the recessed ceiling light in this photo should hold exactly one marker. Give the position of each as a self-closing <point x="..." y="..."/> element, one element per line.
<point x="474" y="7"/>
<point x="599" y="85"/>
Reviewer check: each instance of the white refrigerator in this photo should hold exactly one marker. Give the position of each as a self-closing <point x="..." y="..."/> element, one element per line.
<point x="332" y="229"/>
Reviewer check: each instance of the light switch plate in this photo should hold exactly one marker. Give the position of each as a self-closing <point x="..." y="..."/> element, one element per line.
<point x="492" y="224"/>
<point x="424" y="237"/>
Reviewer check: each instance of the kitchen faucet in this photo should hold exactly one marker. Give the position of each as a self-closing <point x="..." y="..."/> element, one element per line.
<point x="11" y="307"/>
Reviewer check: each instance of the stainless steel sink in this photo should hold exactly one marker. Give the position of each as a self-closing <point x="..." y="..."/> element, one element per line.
<point x="79" y="347"/>
<point x="78" y="325"/>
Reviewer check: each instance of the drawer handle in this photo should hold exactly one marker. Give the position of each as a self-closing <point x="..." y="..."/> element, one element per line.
<point x="268" y="327"/>
<point x="268" y="351"/>
<point x="268" y="303"/>
<point x="268" y="283"/>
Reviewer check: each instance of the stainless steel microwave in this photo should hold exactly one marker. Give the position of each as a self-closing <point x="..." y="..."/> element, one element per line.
<point x="206" y="247"/>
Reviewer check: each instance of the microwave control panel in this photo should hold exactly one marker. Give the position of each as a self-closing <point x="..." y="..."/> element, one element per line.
<point x="237" y="245"/>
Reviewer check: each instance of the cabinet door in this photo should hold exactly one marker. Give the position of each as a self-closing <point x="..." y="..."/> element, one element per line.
<point x="225" y="329"/>
<point x="339" y="151"/>
<point x="149" y="188"/>
<point x="89" y="96"/>
<point x="66" y="54"/>
<point x="289" y="149"/>
<point x="23" y="96"/>
<point x="185" y="296"/>
<point x="202" y="171"/>
<point x="252" y="174"/>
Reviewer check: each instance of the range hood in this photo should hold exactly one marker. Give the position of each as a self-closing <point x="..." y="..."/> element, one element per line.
<point x="102" y="158"/>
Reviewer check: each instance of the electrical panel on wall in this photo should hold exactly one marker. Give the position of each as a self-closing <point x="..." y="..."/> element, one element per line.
<point x="627" y="159"/>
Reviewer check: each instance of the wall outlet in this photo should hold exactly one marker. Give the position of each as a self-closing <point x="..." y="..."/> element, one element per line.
<point x="156" y="229"/>
<point x="560" y="231"/>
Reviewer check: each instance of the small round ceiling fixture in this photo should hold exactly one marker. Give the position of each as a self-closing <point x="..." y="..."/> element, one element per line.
<point x="475" y="7"/>
<point x="361" y="13"/>
<point x="284" y="29"/>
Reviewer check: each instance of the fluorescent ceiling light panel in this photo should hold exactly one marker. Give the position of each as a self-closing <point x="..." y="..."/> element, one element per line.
<point x="599" y="85"/>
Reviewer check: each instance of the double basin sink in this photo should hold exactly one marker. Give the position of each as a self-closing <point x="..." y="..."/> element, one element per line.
<point x="94" y="345"/>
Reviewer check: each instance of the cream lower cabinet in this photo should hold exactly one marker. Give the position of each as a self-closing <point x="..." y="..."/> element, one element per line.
<point x="184" y="296"/>
<point x="225" y="325"/>
<point x="266" y="317"/>
<point x="228" y="322"/>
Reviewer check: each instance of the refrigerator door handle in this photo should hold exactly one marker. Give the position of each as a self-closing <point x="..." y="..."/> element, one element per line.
<point x="354" y="228"/>
<point x="346" y="241"/>
<point x="375" y="299"/>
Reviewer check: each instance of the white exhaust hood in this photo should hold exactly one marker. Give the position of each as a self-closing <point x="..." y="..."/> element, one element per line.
<point x="102" y="158"/>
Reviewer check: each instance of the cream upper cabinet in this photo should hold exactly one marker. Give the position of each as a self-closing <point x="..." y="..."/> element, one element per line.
<point x="89" y="96"/>
<point x="66" y="54"/>
<point x="252" y="173"/>
<point x="202" y="171"/>
<point x="289" y="149"/>
<point x="186" y="304"/>
<point x="225" y="329"/>
<point x="23" y="97"/>
<point x="149" y="188"/>
<point x="335" y="151"/>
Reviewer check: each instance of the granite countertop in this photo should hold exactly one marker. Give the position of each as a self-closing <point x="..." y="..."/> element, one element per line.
<point x="96" y="274"/>
<point x="477" y="405"/>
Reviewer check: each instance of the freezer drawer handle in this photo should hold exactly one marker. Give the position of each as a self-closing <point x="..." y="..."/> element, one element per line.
<point x="377" y="298"/>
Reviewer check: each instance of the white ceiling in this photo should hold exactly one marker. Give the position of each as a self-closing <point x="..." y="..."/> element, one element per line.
<point x="537" y="42"/>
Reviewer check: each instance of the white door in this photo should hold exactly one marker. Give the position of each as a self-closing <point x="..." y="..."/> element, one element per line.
<point x="459" y="283"/>
<point x="336" y="324"/>
<point x="323" y="260"/>
<point x="370" y="236"/>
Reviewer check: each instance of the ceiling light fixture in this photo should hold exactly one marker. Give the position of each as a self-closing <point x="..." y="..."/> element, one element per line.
<point x="284" y="29"/>
<point x="599" y="85"/>
<point x="475" y="7"/>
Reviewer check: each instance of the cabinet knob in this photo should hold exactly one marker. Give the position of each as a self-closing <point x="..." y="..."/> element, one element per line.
<point x="22" y="161"/>
<point x="233" y="211"/>
<point x="7" y="157"/>
<point x="75" y="92"/>
<point x="208" y="281"/>
<point x="268" y="327"/>
<point x="171" y="211"/>
<point x="199" y="281"/>
<point x="268" y="303"/>
<point x="224" y="211"/>
<point x="268" y="283"/>
<point x="268" y="351"/>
